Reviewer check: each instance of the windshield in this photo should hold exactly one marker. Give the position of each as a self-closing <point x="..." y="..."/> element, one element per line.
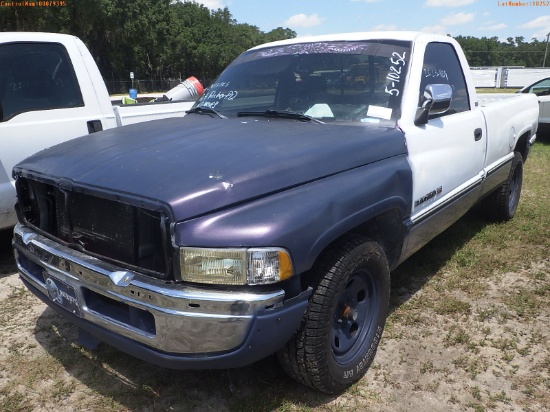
<point x="358" y="82"/>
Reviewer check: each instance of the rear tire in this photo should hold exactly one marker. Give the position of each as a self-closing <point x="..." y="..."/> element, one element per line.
<point x="343" y="324"/>
<point x="501" y="205"/>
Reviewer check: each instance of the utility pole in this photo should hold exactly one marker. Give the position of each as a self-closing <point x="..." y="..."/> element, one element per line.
<point x="546" y="51"/>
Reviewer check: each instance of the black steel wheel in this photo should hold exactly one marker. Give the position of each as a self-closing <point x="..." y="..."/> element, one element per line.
<point x="344" y="321"/>
<point x="502" y="204"/>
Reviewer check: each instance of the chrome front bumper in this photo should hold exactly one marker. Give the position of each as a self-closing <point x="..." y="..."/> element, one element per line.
<point x="165" y="317"/>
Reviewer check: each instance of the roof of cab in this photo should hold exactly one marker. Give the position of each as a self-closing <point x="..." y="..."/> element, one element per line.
<point x="19" y="36"/>
<point x="393" y="35"/>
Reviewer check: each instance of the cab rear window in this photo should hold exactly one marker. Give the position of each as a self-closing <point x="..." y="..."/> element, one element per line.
<point x="36" y="76"/>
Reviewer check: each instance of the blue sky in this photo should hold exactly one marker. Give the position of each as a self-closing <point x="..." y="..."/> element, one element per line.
<point x="476" y="18"/>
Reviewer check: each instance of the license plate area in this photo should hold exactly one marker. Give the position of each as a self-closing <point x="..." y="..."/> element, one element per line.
<point x="62" y="294"/>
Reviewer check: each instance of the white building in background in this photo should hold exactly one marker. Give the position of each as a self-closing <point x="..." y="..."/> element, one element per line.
<point x="507" y="77"/>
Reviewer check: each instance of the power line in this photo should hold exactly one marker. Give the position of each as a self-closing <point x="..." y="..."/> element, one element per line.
<point x="502" y="51"/>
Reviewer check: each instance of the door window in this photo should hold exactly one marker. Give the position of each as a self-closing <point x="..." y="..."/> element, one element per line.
<point x="441" y="66"/>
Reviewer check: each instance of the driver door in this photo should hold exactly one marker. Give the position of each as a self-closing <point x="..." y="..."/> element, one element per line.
<point x="447" y="153"/>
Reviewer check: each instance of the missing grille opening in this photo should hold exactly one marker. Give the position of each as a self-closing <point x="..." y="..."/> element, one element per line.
<point x="105" y="228"/>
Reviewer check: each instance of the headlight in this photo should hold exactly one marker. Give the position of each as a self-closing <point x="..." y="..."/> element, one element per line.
<point x="258" y="266"/>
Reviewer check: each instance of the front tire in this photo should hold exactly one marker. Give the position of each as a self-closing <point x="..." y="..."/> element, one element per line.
<point x="343" y="324"/>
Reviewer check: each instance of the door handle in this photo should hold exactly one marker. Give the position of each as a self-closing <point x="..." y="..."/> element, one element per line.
<point x="94" y="126"/>
<point x="478" y="133"/>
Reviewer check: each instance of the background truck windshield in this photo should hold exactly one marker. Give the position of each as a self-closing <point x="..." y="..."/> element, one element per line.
<point x="330" y="81"/>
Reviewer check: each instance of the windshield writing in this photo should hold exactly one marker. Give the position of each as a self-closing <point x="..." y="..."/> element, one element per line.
<point x="358" y="82"/>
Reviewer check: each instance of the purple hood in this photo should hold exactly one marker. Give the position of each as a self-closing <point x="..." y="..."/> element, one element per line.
<point x="198" y="164"/>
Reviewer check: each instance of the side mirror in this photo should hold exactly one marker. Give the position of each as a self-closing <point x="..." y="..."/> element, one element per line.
<point x="437" y="100"/>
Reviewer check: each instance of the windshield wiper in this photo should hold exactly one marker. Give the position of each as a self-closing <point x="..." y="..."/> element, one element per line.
<point x="285" y="114"/>
<point x="205" y="110"/>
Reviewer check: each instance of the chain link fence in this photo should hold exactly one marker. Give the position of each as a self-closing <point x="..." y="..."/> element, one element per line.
<point x="146" y="86"/>
<point x="142" y="86"/>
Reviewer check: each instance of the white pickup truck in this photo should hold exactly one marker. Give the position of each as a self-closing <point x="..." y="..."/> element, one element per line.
<point x="269" y="218"/>
<point x="51" y="91"/>
<point x="541" y="88"/>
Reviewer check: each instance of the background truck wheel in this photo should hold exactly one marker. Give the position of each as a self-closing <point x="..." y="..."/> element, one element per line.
<point x="344" y="321"/>
<point x="502" y="204"/>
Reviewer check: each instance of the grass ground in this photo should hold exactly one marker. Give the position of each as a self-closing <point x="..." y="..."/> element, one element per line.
<point x="468" y="331"/>
<point x="493" y="90"/>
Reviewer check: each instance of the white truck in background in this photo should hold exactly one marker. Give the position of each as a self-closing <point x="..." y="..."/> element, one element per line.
<point x="51" y="91"/>
<point x="542" y="89"/>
